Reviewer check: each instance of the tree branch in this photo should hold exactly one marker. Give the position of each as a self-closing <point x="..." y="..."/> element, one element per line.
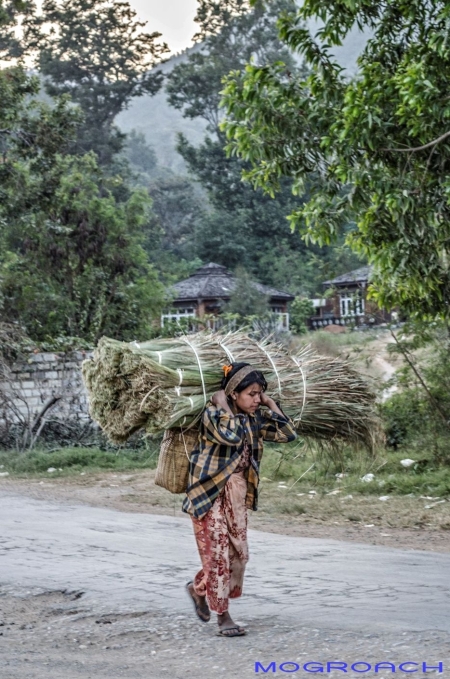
<point x="431" y="398"/>
<point x="420" y="148"/>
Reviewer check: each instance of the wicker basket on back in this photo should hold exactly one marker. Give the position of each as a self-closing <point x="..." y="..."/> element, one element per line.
<point x="173" y="463"/>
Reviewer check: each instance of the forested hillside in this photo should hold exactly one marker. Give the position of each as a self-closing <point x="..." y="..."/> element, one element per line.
<point x="114" y="179"/>
<point x="160" y="123"/>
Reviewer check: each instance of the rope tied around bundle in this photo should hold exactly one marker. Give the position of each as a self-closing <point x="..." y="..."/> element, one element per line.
<point x="297" y="363"/>
<point x="185" y="339"/>
<point x="227" y="351"/>
<point x="273" y="366"/>
<point x="178" y="387"/>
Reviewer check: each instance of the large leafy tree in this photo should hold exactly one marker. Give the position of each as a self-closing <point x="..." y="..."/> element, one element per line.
<point x="98" y="53"/>
<point x="374" y="148"/>
<point x="72" y="260"/>
<point x="10" y="10"/>
<point x="245" y="227"/>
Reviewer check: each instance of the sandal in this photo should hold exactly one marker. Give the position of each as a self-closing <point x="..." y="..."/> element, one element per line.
<point x="235" y="631"/>
<point x="201" y="612"/>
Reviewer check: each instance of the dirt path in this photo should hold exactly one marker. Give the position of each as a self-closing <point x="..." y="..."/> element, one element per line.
<point x="91" y="592"/>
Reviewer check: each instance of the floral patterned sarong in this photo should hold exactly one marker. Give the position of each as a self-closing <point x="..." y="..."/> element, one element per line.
<point x="221" y="537"/>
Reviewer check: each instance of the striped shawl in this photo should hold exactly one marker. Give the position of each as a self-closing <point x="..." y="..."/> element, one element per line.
<point x="217" y="454"/>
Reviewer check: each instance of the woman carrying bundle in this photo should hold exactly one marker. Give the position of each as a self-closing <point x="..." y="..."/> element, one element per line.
<point x="223" y="483"/>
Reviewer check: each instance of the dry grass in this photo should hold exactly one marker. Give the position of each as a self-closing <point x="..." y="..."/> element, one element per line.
<point x="166" y="383"/>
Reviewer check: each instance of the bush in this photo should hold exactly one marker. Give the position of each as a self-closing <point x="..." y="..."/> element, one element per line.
<point x="300" y="311"/>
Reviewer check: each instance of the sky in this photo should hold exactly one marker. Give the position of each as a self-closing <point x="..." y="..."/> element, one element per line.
<point x="173" y="18"/>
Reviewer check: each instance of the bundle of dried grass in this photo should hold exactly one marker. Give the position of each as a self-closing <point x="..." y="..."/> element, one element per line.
<point x="165" y="383"/>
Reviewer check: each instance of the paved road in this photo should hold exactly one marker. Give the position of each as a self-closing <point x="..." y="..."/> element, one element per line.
<point x="124" y="561"/>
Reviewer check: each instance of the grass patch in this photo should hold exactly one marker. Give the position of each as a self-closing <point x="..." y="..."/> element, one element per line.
<point x="302" y="469"/>
<point x="330" y="344"/>
<point x="298" y="467"/>
<point x="71" y="460"/>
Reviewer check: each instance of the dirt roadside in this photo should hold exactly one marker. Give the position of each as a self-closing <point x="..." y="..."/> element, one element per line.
<point x="50" y="635"/>
<point x="56" y="634"/>
<point x="402" y="522"/>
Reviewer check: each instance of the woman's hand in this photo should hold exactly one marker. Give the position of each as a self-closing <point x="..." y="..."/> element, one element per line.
<point x="267" y="401"/>
<point x="270" y="403"/>
<point x="220" y="400"/>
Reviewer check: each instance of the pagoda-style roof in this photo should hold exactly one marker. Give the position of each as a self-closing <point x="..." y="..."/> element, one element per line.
<point x="214" y="281"/>
<point x="354" y="277"/>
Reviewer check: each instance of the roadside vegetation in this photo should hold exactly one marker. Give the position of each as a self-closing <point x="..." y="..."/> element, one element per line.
<point x="413" y="402"/>
<point x="299" y="467"/>
<point x="70" y="461"/>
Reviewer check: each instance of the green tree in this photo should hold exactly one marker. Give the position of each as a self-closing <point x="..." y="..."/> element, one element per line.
<point x="97" y="52"/>
<point x="10" y="11"/>
<point x="247" y="299"/>
<point x="71" y="255"/>
<point x="374" y="148"/>
<point x="301" y="309"/>
<point x="243" y="227"/>
<point x="141" y="156"/>
<point x="76" y="264"/>
<point x="423" y="394"/>
<point x="230" y="34"/>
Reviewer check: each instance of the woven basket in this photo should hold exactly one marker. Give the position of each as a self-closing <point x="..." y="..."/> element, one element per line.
<point x="173" y="463"/>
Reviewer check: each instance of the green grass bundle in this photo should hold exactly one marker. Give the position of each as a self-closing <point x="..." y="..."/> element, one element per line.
<point x="165" y="383"/>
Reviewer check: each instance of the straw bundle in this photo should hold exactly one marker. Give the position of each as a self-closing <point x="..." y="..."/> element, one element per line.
<point x="165" y="383"/>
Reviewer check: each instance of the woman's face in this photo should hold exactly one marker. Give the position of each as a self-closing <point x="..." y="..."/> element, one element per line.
<point x="248" y="400"/>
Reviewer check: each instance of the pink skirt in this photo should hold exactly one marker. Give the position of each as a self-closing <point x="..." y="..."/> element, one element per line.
<point x="221" y="537"/>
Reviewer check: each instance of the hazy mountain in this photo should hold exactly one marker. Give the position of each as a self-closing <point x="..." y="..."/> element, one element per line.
<point x="160" y="123"/>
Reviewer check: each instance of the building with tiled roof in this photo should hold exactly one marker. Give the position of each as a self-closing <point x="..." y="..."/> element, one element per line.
<point x="356" y="277"/>
<point x="345" y="302"/>
<point x="209" y="288"/>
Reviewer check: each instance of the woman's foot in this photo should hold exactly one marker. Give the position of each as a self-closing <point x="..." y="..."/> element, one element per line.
<point x="227" y="626"/>
<point x="201" y="606"/>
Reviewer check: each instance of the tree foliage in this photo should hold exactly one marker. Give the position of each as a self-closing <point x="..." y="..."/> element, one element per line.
<point x="10" y="11"/>
<point x="374" y="148"/>
<point x="300" y="311"/>
<point x="243" y="226"/>
<point x="230" y="36"/>
<point x="246" y="300"/>
<point x="97" y="52"/>
<point x="423" y="394"/>
<point x="72" y="260"/>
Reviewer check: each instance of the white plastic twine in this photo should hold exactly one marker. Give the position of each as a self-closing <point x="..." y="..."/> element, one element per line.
<point x="273" y="366"/>
<point x="227" y="351"/>
<point x="201" y="371"/>
<point x="304" y="384"/>
<point x="178" y="388"/>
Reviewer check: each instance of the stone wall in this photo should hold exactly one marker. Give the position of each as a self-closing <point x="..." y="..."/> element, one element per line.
<point x="42" y="379"/>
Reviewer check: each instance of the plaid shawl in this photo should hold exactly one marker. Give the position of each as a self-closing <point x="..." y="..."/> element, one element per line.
<point x="217" y="454"/>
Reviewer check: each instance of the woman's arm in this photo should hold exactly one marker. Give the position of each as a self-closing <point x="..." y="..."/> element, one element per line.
<point x="276" y="426"/>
